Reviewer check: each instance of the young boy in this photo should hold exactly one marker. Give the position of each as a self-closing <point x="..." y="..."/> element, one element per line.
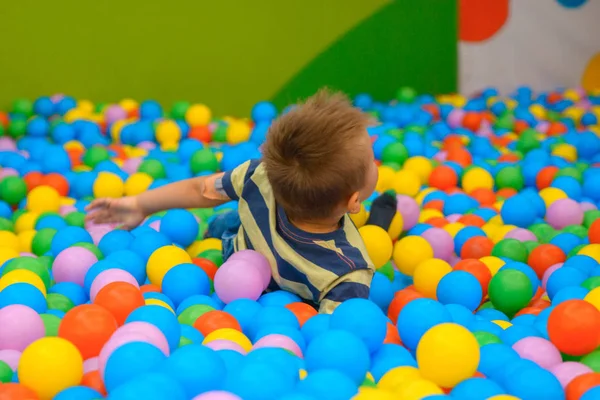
<point x="317" y="167"/>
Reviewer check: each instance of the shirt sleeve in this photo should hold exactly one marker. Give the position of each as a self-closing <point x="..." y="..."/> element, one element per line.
<point x="355" y="284"/>
<point x="233" y="181"/>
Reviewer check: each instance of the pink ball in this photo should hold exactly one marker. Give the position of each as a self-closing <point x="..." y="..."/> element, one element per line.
<point x="542" y="126"/>
<point x="441" y="242"/>
<point x="567" y="371"/>
<point x="10" y="357"/>
<point x="279" y="341"/>
<point x="587" y="206"/>
<point x="4" y="172"/>
<point x="110" y="276"/>
<point x="521" y="234"/>
<point x="549" y="272"/>
<point x="19" y="327"/>
<point x="539" y="350"/>
<point x="66" y="209"/>
<point x="256" y="260"/>
<point x="114" y="113"/>
<point x="146" y="145"/>
<point x="564" y="212"/>
<point x="453" y="217"/>
<point x="409" y="209"/>
<point x="154" y="334"/>
<point x="222" y="344"/>
<point x="131" y="165"/>
<point x="440" y="156"/>
<point x="217" y="395"/>
<point x="7" y="143"/>
<point x="155" y="225"/>
<point x="237" y="279"/>
<point x="455" y="118"/>
<point x="91" y="364"/>
<point x="71" y="265"/>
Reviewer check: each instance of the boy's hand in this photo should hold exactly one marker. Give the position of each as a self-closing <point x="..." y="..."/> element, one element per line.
<point x="125" y="211"/>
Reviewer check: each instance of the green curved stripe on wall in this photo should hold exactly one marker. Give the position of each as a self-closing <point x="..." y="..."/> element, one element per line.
<point x="408" y="42"/>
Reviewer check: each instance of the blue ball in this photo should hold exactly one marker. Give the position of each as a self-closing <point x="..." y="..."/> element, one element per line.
<point x="25" y="294"/>
<point x="78" y="393"/>
<point x="562" y="278"/>
<point x="569" y="185"/>
<point x="483" y="325"/>
<point x="187" y="148"/>
<point x="315" y="326"/>
<point x="278" y="298"/>
<point x="71" y="290"/>
<point x="494" y="358"/>
<point x="417" y="317"/>
<point x="147" y="242"/>
<point x="390" y="356"/>
<point x="63" y="133"/>
<point x="541" y="321"/>
<point x="232" y="359"/>
<point x="183" y="281"/>
<point x="283" y="360"/>
<point x="50" y="221"/>
<point x="191" y="333"/>
<point x="460" y="314"/>
<point x="159" y="296"/>
<point x="5" y="210"/>
<point x="268" y="316"/>
<point x="585" y="264"/>
<point x="328" y="384"/>
<point x="591" y="394"/>
<point x="130" y="262"/>
<point x="460" y="287"/>
<point x="259" y="132"/>
<point x="513" y="334"/>
<point x="162" y="318"/>
<point x="67" y="237"/>
<point x="476" y="389"/>
<point x="195" y="300"/>
<point x="519" y="211"/>
<point x="198" y="369"/>
<point x="382" y="291"/>
<point x="364" y="319"/>
<point x="524" y="320"/>
<point x="259" y="381"/>
<point x="492" y="314"/>
<point x="244" y="311"/>
<point x="566" y="241"/>
<point x="56" y="160"/>
<point x="591" y="186"/>
<point x="130" y="360"/>
<point x="37" y="127"/>
<point x="150" y="110"/>
<point x="83" y="184"/>
<point x="284" y="330"/>
<point x="149" y="386"/>
<point x="180" y="226"/>
<point x="43" y="106"/>
<point x="528" y="381"/>
<point x="341" y="351"/>
<point x="569" y="293"/>
<point x="264" y="112"/>
<point x="465" y="234"/>
<point x="114" y="241"/>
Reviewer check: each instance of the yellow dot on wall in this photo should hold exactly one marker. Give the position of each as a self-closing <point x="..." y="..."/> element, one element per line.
<point x="591" y="76"/>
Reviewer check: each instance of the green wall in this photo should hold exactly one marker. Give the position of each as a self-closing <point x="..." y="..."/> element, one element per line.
<point x="227" y="54"/>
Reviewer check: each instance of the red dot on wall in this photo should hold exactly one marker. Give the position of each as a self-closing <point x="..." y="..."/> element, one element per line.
<point x="481" y="19"/>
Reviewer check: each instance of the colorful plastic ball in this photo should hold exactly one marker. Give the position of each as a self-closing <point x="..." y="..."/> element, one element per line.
<point x="573" y="327"/>
<point x="510" y="291"/>
<point x="119" y="299"/>
<point x="108" y="276"/>
<point x="162" y="319"/>
<point x="476" y="388"/>
<point x="22" y="276"/>
<point x="417" y="317"/>
<point x="567" y="371"/>
<point x="204" y="160"/>
<point x="72" y="264"/>
<point x="213" y="320"/>
<point x="428" y="274"/>
<point x="50" y="365"/>
<point x="198" y="114"/>
<point x="162" y="260"/>
<point x="259" y="380"/>
<point x="544" y="256"/>
<point x="180" y="226"/>
<point x="352" y="316"/>
<point x="130" y="360"/>
<point x="183" y="281"/>
<point x="564" y="212"/>
<point x="12" y="190"/>
<point x="108" y="184"/>
<point x="19" y="327"/>
<point x="277" y="298"/>
<point x="115" y="240"/>
<point x="538" y="350"/>
<point x="88" y="327"/>
<point x="25" y="294"/>
<point x="150" y="386"/>
<point x="409" y="252"/>
<point x="519" y="211"/>
<point x="330" y="384"/>
<point x="460" y="287"/>
<point x="237" y="279"/>
<point x="378" y="244"/>
<point x="78" y="393"/>
<point x="440" y="241"/>
<point x="563" y="277"/>
<point x="68" y="237"/>
<point x="527" y="380"/>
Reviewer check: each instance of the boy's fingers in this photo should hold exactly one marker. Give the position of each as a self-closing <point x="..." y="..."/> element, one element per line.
<point x="97" y="204"/>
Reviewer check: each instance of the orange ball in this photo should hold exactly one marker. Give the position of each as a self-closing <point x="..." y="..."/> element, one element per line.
<point x="460" y="156"/>
<point x="477" y="247"/>
<point x="33" y="180"/>
<point x="88" y="327"/>
<point x="200" y="133"/>
<point x="544" y="256"/>
<point x="452" y="142"/>
<point x="529" y="310"/>
<point x="16" y="391"/>
<point x="540" y="303"/>
<point x="58" y="182"/>
<point x="556" y="128"/>
<point x="443" y="177"/>
<point x="209" y="267"/>
<point x="149" y="288"/>
<point x="438" y="222"/>
<point x="401" y="298"/>
<point x="93" y="380"/>
<point x="574" y="327"/>
<point x="485" y="197"/>
<point x="75" y="155"/>
<point x="436" y="204"/>
<point x="506" y="192"/>
<point x="512" y="158"/>
<point x="212" y="320"/>
<point x="520" y="126"/>
<point x="472" y="120"/>
<point x="478" y="269"/>
<point x="120" y="299"/>
<point x="581" y="384"/>
<point x="302" y="311"/>
<point x="472" y="220"/>
<point x="545" y="177"/>
<point x="391" y="335"/>
<point x="594" y="232"/>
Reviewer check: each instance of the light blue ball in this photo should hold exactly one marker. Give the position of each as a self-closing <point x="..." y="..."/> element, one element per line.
<point x="519" y="211"/>
<point x="268" y="316"/>
<point x="78" y="393"/>
<point x="129" y="361"/>
<point x="148" y="242"/>
<point x="191" y="333"/>
<point x="150" y="110"/>
<point x="278" y="298"/>
<point x="315" y="326"/>
<point x="180" y="226"/>
<point x="71" y="290"/>
<point x="569" y="293"/>
<point x="114" y="241"/>
<point x="63" y="133"/>
<point x="162" y="318"/>
<point x="259" y="381"/>
<point x="591" y="394"/>
<point x="328" y="384"/>
<point x="37" y="127"/>
<point x="264" y="111"/>
<point x="43" y="106"/>
<point x="382" y="291"/>
<point x="244" y="311"/>
<point x="149" y="386"/>
<point x="67" y="237"/>
<point x="494" y="358"/>
<point x="562" y="278"/>
<point x="514" y="333"/>
<point x="95" y="270"/>
<point x="460" y="314"/>
<point x="529" y="381"/>
<point x="364" y="319"/>
<point x="25" y="294"/>
<point x="417" y="317"/>
<point x="130" y="262"/>
<point x="281" y="359"/>
<point x="390" y="356"/>
<point x="476" y="389"/>
<point x="183" y="281"/>
<point x="460" y="287"/>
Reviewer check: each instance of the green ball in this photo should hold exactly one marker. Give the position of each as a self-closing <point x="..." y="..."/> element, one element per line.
<point x="23" y="107"/>
<point x="510" y="177"/>
<point x="59" y="302"/>
<point x="204" y="160"/>
<point x="530" y="245"/>
<point x="581" y="167"/>
<point x="512" y="249"/>
<point x="591" y="283"/>
<point x="387" y="269"/>
<point x="543" y="232"/>
<point x="42" y="241"/>
<point x="406" y="95"/>
<point x="592" y="360"/>
<point x="99" y="108"/>
<point x="95" y="156"/>
<point x="203" y="213"/>
<point x="393" y="165"/>
<point x="55" y="122"/>
<point x="12" y="190"/>
<point x="505" y="121"/>
<point x="570" y="171"/>
<point x="396" y="133"/>
<point x="192" y="313"/>
<point x="577" y="230"/>
<point x="589" y="217"/>
<point x="220" y="134"/>
<point x="528" y="141"/>
<point x="2" y="130"/>
<point x="179" y="109"/>
<point x="575" y="250"/>
<point x="17" y="128"/>
<point x="486" y="305"/>
<point x="75" y="218"/>
<point x="568" y="357"/>
<point x="51" y="323"/>
<point x="6" y="373"/>
<point x="367" y="383"/>
<point x="46" y="261"/>
<point x="30" y="264"/>
<point x="216" y="256"/>
<point x="6" y="224"/>
<point x="183" y="341"/>
<point x="510" y="291"/>
<point x="91" y="247"/>
<point x="484" y="338"/>
<point x="16" y="214"/>
<point x="394" y="152"/>
<point x="154" y="168"/>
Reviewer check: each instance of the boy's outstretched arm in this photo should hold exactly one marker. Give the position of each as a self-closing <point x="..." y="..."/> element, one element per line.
<point x="130" y="211"/>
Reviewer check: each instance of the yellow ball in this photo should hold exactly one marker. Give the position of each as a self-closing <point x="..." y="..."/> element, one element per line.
<point x="538" y="111"/>
<point x="25" y="239"/>
<point x="396" y="226"/>
<point x="22" y="276"/>
<point x="447" y="354"/>
<point x="137" y="183"/>
<point x="397" y="377"/>
<point x="502" y="324"/>
<point x="407" y="182"/>
<point x="503" y="397"/>
<point x="418" y="390"/>
<point x="477" y="178"/>
<point x="202" y="245"/>
<point x="453" y="228"/>
<point x="409" y="252"/>
<point x="74" y="145"/>
<point x="428" y="274"/>
<point x="496" y="220"/>
<point x="238" y="132"/>
<point x="378" y="243"/>
<point x="162" y="260"/>
<point x="551" y="194"/>
<point x="169" y="146"/>
<point x="50" y="365"/>
<point x="108" y="184"/>
<point x="26" y="221"/>
<point x="167" y="131"/>
<point x="369" y="393"/>
<point x="421" y="196"/>
<point x="43" y="199"/>
<point x="302" y="374"/>
<point x="85" y="106"/>
<point x="493" y="263"/>
<point x="160" y="303"/>
<point x="421" y="166"/>
<point x="128" y="104"/>
<point x="490" y="229"/>
<point x="386" y="177"/>
<point x="501" y="232"/>
<point x="230" y="334"/>
<point x="9" y="239"/>
<point x="429" y="213"/>
<point x="7" y="253"/>
<point x="198" y="114"/>
<point x="593" y="297"/>
<point x="73" y="115"/>
<point x="566" y="151"/>
<point x="360" y="218"/>
<point x="591" y="250"/>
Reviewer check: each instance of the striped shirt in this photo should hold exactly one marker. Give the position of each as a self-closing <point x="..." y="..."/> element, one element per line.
<point x="324" y="268"/>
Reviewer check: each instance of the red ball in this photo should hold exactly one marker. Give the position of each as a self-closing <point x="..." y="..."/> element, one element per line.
<point x="212" y="320"/>
<point x="594" y="232"/>
<point x="443" y="177"/>
<point x="545" y="177"/>
<point x="478" y="269"/>
<point x="581" y="384"/>
<point x="33" y="179"/>
<point x="574" y="327"/>
<point x="302" y="311"/>
<point x="58" y="182"/>
<point x="88" y="327"/>
<point x="401" y="299"/>
<point x="207" y="266"/>
<point x="477" y="247"/>
<point x="93" y="380"/>
<point x="544" y="256"/>
<point x="120" y="299"/>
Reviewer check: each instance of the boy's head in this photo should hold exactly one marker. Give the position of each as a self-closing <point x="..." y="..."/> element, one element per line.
<point x="319" y="159"/>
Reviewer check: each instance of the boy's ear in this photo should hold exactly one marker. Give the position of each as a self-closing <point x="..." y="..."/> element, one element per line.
<point x="354" y="203"/>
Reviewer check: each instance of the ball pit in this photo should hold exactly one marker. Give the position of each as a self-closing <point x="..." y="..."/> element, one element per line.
<point x="487" y="283"/>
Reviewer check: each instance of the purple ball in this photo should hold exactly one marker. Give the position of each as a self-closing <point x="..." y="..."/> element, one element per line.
<point x="91" y="364"/>
<point x="222" y="344"/>
<point x="455" y="118"/>
<point x="11" y="357"/>
<point x="587" y="206"/>
<point x="131" y="165"/>
<point x="19" y="327"/>
<point x="453" y="217"/>
<point x="110" y="276"/>
<point x="237" y="279"/>
<point x="567" y="371"/>
<point x="4" y="172"/>
<point x="217" y="395"/>
<point x="564" y="212"/>
<point x="257" y="260"/>
<point x="539" y="350"/>
<point x="113" y="113"/>
<point x="521" y="234"/>
<point x="441" y="242"/>
<point x="147" y="145"/>
<point x="278" y="341"/>
<point x="409" y="209"/>
<point x="7" y="143"/>
<point x="71" y="265"/>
